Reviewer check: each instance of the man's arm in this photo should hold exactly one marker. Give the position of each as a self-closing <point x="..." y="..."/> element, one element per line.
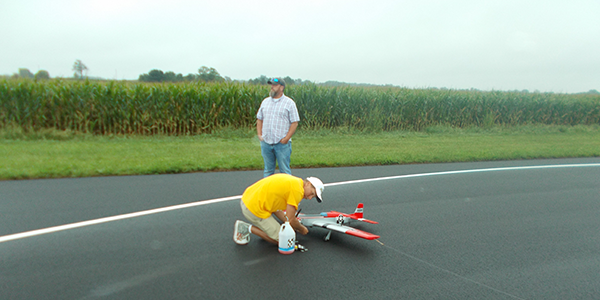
<point x="291" y="132"/>
<point x="259" y="125"/>
<point x="290" y="212"/>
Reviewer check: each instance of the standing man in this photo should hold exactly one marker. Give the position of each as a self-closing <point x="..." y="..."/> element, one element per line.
<point x="277" y="120"/>
<point x="269" y="197"/>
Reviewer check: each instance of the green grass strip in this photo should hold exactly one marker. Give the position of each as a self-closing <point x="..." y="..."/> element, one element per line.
<point x="57" y="155"/>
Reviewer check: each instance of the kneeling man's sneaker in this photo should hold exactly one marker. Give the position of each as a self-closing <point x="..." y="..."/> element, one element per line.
<point x="241" y="234"/>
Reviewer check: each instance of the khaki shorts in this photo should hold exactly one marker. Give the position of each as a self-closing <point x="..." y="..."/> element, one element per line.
<point x="269" y="225"/>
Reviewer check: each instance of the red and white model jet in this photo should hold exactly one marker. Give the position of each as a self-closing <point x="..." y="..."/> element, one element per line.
<point x="334" y="221"/>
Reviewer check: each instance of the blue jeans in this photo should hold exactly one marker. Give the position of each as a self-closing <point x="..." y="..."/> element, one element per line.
<point x="278" y="153"/>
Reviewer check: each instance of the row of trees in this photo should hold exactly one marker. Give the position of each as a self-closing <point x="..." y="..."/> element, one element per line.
<point x="262" y="79"/>
<point x="25" y="73"/>
<point x="78" y="67"/>
<point x="204" y="74"/>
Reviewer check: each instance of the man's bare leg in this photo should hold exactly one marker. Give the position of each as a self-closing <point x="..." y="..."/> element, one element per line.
<point x="262" y="235"/>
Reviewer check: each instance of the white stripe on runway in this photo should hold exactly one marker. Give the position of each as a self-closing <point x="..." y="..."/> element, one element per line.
<point x="464" y="171"/>
<point x="27" y="234"/>
<point x="37" y="232"/>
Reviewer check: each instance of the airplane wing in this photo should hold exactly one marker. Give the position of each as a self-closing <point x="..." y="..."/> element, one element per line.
<point x="345" y="229"/>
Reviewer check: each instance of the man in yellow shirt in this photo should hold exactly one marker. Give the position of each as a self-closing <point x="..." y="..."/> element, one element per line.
<point x="271" y="196"/>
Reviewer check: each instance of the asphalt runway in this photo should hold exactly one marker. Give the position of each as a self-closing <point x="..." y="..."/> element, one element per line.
<point x="491" y="230"/>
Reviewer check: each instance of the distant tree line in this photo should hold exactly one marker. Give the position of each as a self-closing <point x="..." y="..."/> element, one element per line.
<point x="592" y="92"/>
<point x="204" y="74"/>
<point x="25" y="73"/>
<point x="262" y="79"/>
<point x="208" y="74"/>
<point x="78" y="67"/>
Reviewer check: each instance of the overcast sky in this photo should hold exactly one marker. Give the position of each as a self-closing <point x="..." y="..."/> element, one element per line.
<point x="545" y="45"/>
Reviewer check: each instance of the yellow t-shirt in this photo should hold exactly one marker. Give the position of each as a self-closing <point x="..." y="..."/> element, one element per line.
<point x="273" y="193"/>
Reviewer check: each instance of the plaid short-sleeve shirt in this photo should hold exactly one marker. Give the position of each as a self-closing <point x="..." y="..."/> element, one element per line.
<point x="277" y="116"/>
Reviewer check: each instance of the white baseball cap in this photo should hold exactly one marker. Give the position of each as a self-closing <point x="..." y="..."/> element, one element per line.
<point x="319" y="187"/>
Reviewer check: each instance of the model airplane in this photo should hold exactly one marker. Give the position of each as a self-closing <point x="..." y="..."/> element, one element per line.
<point x="334" y="221"/>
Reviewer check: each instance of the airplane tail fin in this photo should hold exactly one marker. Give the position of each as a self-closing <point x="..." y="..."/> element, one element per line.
<point x="359" y="211"/>
<point x="358" y="215"/>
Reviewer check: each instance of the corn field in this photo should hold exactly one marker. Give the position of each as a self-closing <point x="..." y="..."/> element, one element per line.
<point x="105" y="108"/>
